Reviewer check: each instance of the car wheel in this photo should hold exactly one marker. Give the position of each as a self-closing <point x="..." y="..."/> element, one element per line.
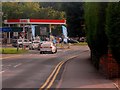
<point x="29" y="48"/>
<point x="41" y="52"/>
<point x="32" y="48"/>
<point x="20" y="45"/>
<point x="56" y="51"/>
<point x="52" y="52"/>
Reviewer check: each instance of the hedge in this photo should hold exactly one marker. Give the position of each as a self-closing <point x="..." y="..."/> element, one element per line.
<point x="113" y="28"/>
<point x="95" y="29"/>
<point x="102" y="22"/>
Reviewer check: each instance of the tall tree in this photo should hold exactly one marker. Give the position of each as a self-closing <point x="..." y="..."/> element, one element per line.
<point x="95" y="16"/>
<point x="74" y="15"/>
<point x="15" y="10"/>
<point x="113" y="29"/>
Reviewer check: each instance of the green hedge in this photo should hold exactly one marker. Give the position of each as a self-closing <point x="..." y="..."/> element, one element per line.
<point x="102" y="22"/>
<point x="95" y="30"/>
<point x="113" y="28"/>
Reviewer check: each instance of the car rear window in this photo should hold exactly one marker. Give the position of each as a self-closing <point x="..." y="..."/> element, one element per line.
<point x="25" y="40"/>
<point x="14" y="41"/>
<point x="35" y="42"/>
<point x="19" y="40"/>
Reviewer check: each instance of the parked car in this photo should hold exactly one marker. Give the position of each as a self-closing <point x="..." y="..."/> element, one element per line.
<point x="82" y="39"/>
<point x="70" y="40"/>
<point x="48" y="46"/>
<point x="20" y="42"/>
<point x="34" y="45"/>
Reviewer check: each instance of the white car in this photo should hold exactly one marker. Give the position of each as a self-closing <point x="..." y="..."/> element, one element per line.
<point x="48" y="46"/>
<point x="34" y="45"/>
<point x="20" y="42"/>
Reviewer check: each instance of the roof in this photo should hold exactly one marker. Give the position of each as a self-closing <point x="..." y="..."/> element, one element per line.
<point x="34" y="21"/>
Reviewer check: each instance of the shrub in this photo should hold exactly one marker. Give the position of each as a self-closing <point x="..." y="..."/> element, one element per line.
<point x="113" y="28"/>
<point x="95" y="16"/>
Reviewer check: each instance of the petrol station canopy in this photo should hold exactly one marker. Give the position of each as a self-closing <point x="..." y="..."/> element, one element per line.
<point x="34" y="21"/>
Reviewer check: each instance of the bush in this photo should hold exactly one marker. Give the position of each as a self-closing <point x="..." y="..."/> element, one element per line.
<point x="95" y="16"/>
<point x="113" y="29"/>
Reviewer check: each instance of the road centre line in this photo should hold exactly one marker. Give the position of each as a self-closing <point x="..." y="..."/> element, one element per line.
<point x="47" y="81"/>
<point x="17" y="65"/>
<point x="50" y="84"/>
<point x="58" y="67"/>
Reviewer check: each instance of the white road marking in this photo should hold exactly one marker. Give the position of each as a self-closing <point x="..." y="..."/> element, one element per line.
<point x="18" y="65"/>
<point x="117" y="86"/>
<point x="2" y="72"/>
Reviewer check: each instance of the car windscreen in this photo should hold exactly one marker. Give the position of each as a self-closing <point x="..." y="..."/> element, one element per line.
<point x="25" y="40"/>
<point x="19" y="40"/>
<point x="35" y="42"/>
<point x="14" y="41"/>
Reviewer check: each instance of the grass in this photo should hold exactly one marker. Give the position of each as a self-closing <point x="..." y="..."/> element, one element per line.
<point x="81" y="43"/>
<point x="12" y="51"/>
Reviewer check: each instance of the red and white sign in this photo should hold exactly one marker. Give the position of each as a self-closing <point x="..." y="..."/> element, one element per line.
<point x="34" y="21"/>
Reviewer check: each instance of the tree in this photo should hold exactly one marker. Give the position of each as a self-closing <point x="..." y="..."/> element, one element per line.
<point x="10" y="10"/>
<point x="28" y="10"/>
<point x="74" y="15"/>
<point x="95" y="16"/>
<point x="16" y="10"/>
<point x="49" y="13"/>
<point x="113" y="29"/>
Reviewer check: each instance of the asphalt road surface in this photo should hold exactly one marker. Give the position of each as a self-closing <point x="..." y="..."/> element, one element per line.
<point x="31" y="70"/>
<point x="60" y="70"/>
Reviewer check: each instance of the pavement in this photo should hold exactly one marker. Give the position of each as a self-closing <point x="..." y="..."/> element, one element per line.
<point x="79" y="73"/>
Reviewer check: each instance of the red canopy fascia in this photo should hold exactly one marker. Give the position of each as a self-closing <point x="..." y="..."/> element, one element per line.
<point x="34" y="21"/>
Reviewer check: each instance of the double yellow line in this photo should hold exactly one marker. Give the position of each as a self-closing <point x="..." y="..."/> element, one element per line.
<point x="50" y="80"/>
<point x="48" y="83"/>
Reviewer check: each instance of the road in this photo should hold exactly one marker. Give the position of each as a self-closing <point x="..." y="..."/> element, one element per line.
<point x="65" y="69"/>
<point x="31" y="70"/>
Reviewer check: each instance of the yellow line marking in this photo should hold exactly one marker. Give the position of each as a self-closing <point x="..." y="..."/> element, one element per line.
<point x="9" y="57"/>
<point x="57" y="72"/>
<point x="46" y="82"/>
<point x="50" y="84"/>
<point x="58" y="67"/>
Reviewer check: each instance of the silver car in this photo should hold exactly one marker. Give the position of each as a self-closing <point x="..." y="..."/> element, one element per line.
<point x="34" y="45"/>
<point x="20" y="42"/>
<point x="48" y="46"/>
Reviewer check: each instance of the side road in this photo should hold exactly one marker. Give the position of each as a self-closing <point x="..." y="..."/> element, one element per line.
<point x="79" y="73"/>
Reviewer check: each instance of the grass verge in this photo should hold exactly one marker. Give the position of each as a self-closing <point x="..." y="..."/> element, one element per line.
<point x="80" y="43"/>
<point x="12" y="51"/>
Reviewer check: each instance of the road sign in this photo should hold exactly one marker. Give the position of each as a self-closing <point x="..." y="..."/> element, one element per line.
<point x="15" y="33"/>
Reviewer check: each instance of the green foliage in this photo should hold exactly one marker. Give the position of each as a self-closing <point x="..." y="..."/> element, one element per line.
<point x="74" y="15"/>
<point x="49" y="13"/>
<point x="95" y="30"/>
<point x="113" y="28"/>
<point x="15" y="10"/>
<point x="10" y="10"/>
